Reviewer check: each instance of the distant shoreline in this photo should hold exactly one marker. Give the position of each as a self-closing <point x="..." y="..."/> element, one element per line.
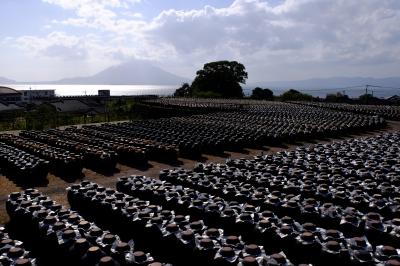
<point x="167" y="90"/>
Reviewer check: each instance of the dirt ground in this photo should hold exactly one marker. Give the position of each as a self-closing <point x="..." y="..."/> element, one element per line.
<point x="55" y="188"/>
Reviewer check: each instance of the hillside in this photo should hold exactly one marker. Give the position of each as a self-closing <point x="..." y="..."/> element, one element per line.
<point x="6" y="81"/>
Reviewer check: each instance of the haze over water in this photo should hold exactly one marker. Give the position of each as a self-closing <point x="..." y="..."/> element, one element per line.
<point x="115" y="90"/>
<point x="167" y="90"/>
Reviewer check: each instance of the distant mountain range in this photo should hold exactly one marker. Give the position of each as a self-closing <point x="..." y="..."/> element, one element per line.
<point x="6" y="81"/>
<point x="330" y="83"/>
<point x="130" y="73"/>
<point x="139" y="72"/>
<point x="135" y="72"/>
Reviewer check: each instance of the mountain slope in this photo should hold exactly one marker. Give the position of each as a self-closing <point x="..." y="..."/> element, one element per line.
<point x="129" y="73"/>
<point x="6" y="81"/>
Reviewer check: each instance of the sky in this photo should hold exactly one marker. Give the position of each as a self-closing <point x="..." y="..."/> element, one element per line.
<point x="275" y="40"/>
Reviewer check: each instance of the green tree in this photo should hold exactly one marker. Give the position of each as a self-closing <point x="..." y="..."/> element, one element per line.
<point x="221" y="78"/>
<point x="262" y="94"/>
<point x="43" y="116"/>
<point x="120" y="108"/>
<point x="337" y="98"/>
<point x="368" y="99"/>
<point x="294" y="95"/>
<point x="183" y="91"/>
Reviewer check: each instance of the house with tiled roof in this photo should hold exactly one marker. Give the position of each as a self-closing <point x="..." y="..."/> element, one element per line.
<point x="9" y="95"/>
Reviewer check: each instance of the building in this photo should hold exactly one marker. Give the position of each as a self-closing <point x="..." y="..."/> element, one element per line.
<point x="70" y="106"/>
<point x="29" y="95"/>
<point x="104" y="93"/>
<point x="9" y="107"/>
<point x="9" y="95"/>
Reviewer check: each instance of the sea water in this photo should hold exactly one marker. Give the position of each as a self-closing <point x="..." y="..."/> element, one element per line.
<point x="167" y="90"/>
<point x="115" y="90"/>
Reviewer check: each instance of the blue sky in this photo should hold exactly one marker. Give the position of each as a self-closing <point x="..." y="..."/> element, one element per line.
<point x="276" y="39"/>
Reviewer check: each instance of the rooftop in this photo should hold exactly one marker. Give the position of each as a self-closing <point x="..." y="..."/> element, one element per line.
<point x="70" y="106"/>
<point x="9" y="107"/>
<point x="36" y="90"/>
<point x="7" y="90"/>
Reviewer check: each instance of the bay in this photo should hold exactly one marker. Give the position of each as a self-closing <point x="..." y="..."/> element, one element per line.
<point x="115" y="90"/>
<point x="168" y="90"/>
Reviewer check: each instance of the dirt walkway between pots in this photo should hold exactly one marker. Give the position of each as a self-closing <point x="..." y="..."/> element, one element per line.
<point x="55" y="187"/>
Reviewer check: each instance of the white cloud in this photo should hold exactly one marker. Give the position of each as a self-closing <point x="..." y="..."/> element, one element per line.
<point x="335" y="29"/>
<point x="102" y="15"/>
<point x="293" y="33"/>
<point x="294" y="39"/>
<point x="55" y="44"/>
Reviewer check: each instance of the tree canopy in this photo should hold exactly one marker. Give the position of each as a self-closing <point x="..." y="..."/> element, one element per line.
<point x="183" y="91"/>
<point x="368" y="99"/>
<point x="337" y="97"/>
<point x="217" y="79"/>
<point x="262" y="94"/>
<point x="294" y="95"/>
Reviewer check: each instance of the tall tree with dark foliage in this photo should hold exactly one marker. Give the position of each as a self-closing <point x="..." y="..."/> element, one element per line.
<point x="217" y="79"/>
